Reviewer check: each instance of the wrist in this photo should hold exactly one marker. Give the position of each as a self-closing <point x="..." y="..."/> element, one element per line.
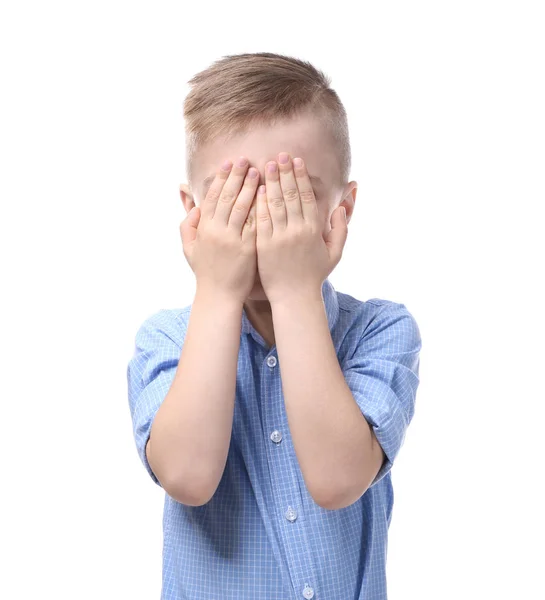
<point x="298" y="297"/>
<point x="216" y="298"/>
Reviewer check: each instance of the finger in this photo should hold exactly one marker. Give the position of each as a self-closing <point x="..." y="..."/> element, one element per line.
<point x="290" y="191"/>
<point x="244" y="200"/>
<point x="230" y="191"/>
<point x="309" y="206"/>
<point x="188" y="227"/>
<point x="275" y="198"/>
<point x="208" y="205"/>
<point x="249" y="228"/>
<point x="264" y="223"/>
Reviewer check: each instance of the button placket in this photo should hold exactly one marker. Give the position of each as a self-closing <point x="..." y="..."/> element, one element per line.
<point x="291" y="513"/>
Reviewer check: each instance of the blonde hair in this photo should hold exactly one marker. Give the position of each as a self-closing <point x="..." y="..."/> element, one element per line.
<point x="238" y="91"/>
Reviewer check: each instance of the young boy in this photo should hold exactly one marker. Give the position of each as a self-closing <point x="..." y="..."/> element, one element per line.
<point x="272" y="408"/>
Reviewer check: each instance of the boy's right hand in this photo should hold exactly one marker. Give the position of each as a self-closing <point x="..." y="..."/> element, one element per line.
<point x="219" y="237"/>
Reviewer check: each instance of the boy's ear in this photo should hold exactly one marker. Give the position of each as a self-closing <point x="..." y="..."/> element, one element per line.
<point x="187" y="197"/>
<point x="349" y="198"/>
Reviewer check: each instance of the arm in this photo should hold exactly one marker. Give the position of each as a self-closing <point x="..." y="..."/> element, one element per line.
<point x="337" y="450"/>
<point x="182" y="391"/>
<point x="191" y="431"/>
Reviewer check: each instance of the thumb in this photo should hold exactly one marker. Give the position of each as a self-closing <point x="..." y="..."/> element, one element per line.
<point x="336" y="238"/>
<point x="188" y="227"/>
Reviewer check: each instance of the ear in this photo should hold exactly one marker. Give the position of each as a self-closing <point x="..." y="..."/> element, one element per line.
<point x="349" y="198"/>
<point x="187" y="197"/>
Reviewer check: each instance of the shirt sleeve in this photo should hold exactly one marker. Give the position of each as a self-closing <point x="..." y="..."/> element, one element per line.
<point x="150" y="373"/>
<point x="383" y="376"/>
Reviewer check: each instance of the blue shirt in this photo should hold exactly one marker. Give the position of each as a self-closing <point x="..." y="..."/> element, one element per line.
<point x="262" y="535"/>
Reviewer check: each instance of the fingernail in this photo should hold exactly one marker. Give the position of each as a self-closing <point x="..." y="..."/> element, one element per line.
<point x="226" y="165"/>
<point x="283" y="158"/>
<point x="272" y="167"/>
<point x="298" y="162"/>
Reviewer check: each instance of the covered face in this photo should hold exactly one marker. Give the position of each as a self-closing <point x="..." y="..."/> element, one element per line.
<point x="302" y="136"/>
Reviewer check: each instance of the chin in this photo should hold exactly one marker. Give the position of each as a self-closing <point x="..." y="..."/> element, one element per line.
<point x="257" y="293"/>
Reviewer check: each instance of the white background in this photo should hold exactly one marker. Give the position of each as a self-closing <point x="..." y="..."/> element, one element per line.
<point x="446" y="112"/>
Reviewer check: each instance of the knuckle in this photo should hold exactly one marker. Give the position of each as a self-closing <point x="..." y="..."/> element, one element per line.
<point x="291" y="194"/>
<point x="307" y="196"/>
<point x="276" y="201"/>
<point x="213" y="194"/>
<point x="240" y="206"/>
<point x="227" y="196"/>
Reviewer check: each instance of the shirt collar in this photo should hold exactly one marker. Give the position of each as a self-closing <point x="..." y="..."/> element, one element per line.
<point x="331" y="303"/>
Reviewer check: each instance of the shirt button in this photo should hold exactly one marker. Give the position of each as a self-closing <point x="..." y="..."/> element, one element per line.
<point x="291" y="515"/>
<point x="308" y="592"/>
<point x="276" y="436"/>
<point x="271" y="361"/>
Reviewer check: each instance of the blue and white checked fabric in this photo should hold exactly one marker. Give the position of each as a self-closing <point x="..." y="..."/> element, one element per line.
<point x="262" y="535"/>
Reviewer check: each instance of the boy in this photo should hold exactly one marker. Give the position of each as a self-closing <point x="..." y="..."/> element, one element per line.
<point x="272" y="408"/>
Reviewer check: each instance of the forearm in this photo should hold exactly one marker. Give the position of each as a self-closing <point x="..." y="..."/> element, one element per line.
<point x="332" y="440"/>
<point x="191" y="432"/>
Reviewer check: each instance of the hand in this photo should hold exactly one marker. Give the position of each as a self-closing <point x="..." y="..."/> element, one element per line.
<point x="293" y="257"/>
<point x="219" y="237"/>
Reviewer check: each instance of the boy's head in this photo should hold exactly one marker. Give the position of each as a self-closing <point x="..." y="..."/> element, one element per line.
<point x="258" y="105"/>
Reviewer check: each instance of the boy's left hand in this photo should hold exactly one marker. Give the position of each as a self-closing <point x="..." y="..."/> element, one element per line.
<point x="293" y="258"/>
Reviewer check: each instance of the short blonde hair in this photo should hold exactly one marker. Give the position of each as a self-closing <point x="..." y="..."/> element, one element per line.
<point x="238" y="91"/>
